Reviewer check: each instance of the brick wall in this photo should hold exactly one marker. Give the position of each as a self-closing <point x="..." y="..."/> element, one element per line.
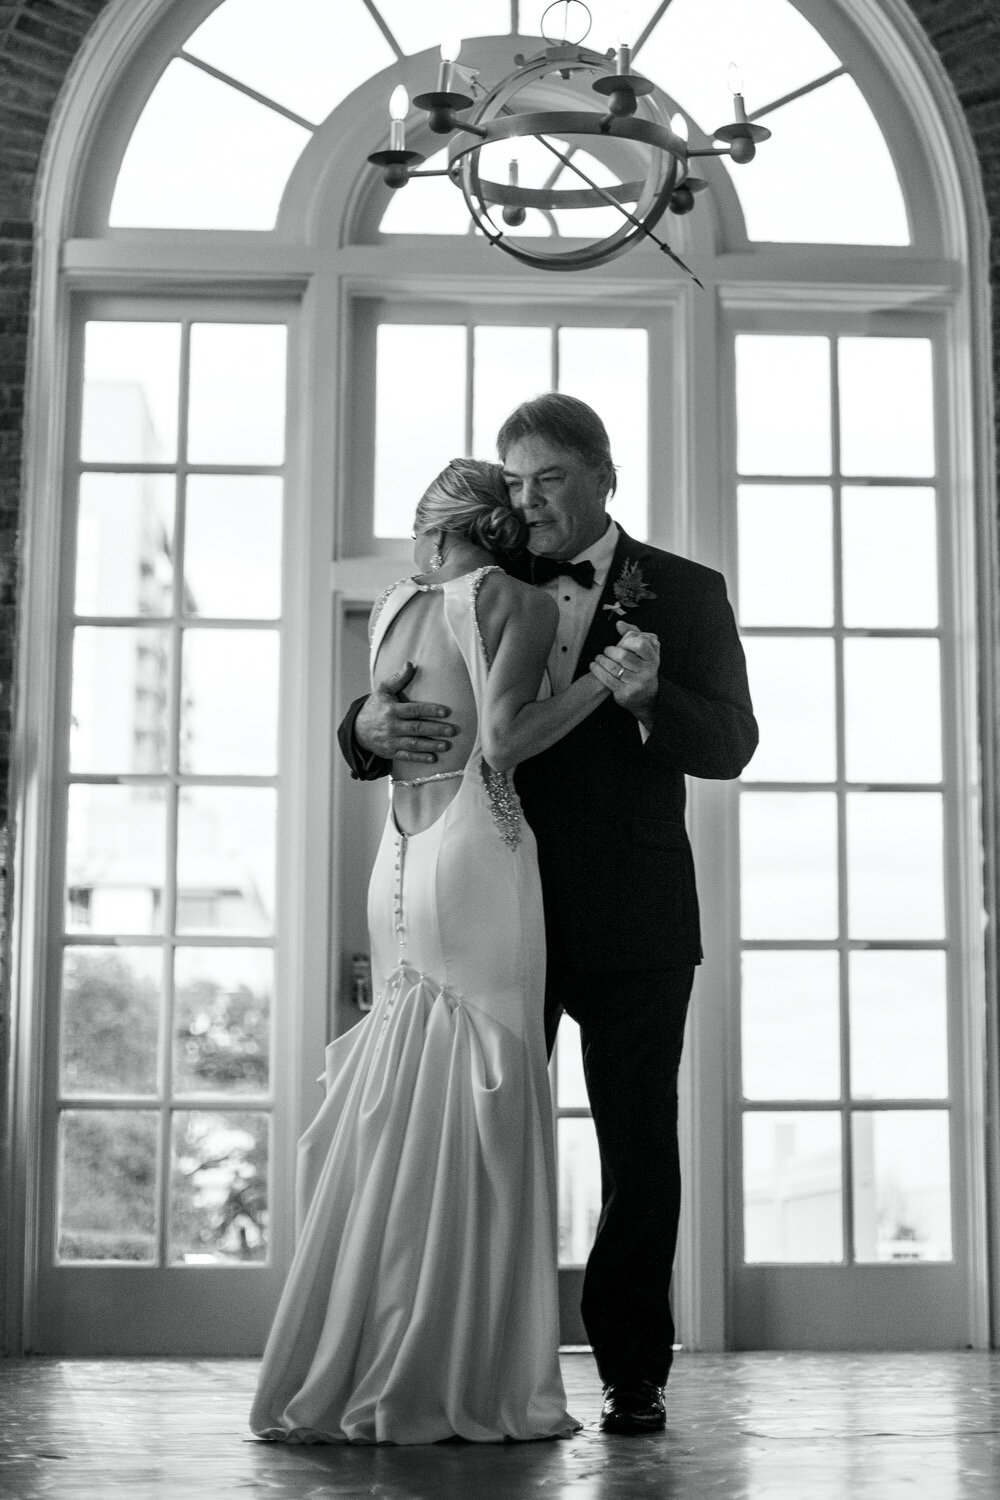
<point x="38" y="41"/>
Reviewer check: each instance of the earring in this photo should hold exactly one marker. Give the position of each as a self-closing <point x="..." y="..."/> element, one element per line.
<point x="437" y="559"/>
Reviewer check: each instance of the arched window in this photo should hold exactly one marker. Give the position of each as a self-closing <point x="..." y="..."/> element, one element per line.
<point x="255" y="357"/>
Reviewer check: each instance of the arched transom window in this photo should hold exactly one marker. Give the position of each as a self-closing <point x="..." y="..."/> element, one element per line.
<point x="244" y="93"/>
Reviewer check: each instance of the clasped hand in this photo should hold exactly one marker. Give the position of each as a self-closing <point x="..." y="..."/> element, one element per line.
<point x="630" y="669"/>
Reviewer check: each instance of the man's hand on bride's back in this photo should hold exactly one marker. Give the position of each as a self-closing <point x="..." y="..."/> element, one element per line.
<point x="391" y="727"/>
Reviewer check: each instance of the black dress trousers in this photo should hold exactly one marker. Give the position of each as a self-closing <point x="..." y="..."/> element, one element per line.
<point x="632" y="1035"/>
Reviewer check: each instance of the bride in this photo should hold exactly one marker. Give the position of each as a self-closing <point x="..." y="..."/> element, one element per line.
<point x="422" y="1301"/>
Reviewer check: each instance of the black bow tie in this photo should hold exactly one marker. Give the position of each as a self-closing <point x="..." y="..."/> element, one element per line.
<point x="543" y="569"/>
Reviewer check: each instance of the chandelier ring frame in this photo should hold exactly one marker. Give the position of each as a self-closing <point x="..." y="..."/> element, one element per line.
<point x="651" y="201"/>
<point x="492" y="119"/>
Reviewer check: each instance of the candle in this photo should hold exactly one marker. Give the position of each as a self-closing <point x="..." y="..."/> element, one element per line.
<point x="450" y="48"/>
<point x="736" y="88"/>
<point x="399" y="103"/>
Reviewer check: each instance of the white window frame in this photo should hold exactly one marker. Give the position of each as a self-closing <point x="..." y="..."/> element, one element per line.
<point x="963" y="889"/>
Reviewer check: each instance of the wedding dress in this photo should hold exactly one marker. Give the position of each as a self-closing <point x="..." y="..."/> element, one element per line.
<point x="422" y="1301"/>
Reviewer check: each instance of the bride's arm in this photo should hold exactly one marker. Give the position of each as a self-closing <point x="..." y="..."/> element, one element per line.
<point x="519" y="626"/>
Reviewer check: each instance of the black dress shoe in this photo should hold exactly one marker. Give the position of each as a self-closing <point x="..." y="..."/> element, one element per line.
<point x="633" y="1407"/>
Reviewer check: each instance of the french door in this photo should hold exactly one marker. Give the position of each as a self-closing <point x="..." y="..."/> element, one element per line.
<point x="853" y="1197"/>
<point x="435" y="380"/>
<point x="163" y="1225"/>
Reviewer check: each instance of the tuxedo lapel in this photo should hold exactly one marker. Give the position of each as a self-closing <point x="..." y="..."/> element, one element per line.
<point x="602" y="630"/>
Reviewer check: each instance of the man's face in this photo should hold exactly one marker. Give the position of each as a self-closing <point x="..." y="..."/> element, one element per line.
<point x="560" y="495"/>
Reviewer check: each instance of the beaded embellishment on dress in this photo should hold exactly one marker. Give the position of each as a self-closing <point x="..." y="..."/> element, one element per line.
<point x="378" y="607"/>
<point x="475" y="584"/>
<point x="423" y="780"/>
<point x="504" y="804"/>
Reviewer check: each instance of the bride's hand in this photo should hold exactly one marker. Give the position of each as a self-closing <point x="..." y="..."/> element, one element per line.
<point x="399" y="730"/>
<point x="629" y="670"/>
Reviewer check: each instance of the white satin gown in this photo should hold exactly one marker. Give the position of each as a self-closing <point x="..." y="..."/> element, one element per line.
<point x="422" y="1301"/>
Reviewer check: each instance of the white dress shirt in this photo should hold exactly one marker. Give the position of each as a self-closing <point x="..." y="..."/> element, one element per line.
<point x="577" y="607"/>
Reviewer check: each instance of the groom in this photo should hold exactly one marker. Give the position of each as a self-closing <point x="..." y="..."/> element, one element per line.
<point x="607" y="807"/>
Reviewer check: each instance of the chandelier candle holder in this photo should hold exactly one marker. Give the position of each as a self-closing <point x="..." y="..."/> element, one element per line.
<point x="544" y="100"/>
<point x="742" y="134"/>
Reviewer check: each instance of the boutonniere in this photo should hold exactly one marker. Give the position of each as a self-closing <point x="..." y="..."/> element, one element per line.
<point x="629" y="589"/>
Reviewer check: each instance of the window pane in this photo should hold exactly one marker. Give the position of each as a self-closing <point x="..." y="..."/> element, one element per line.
<point x="880" y="435"/>
<point x="125" y="544"/>
<point x="219" y="1188"/>
<point x="107" y="1185"/>
<point x="897" y="523"/>
<point x="419" y="420"/>
<point x="536" y="166"/>
<point x="899" y="1025"/>
<point x="572" y="1085"/>
<point x="782" y="404"/>
<point x="540" y="167"/>
<point x="237" y="400"/>
<point x="225" y="859"/>
<point x="229" y="721"/>
<point x="791" y="1026"/>
<point x="308" y="59"/>
<point x="892" y="693"/>
<point x="110" y="1019"/>
<point x="121" y="699"/>
<point x="895" y="865"/>
<point x="792" y="1187"/>
<point x="689" y="54"/>
<point x="608" y="18"/>
<point x="417" y="27"/>
<point x="788" y="843"/>
<point x="586" y="358"/>
<point x="579" y="1189"/>
<point x="232" y="546"/>
<point x="601" y="219"/>
<point x="205" y="156"/>
<point x="222" y="1020"/>
<point x="115" y="859"/>
<point x="510" y="365"/>
<point x="432" y="206"/>
<point x="902" y="1185"/>
<point x="786" y="554"/>
<point x="784" y="192"/>
<point x="130" y="392"/>
<point x="793" y="698"/>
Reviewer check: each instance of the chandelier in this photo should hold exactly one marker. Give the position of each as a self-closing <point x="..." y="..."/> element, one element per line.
<point x="546" y="100"/>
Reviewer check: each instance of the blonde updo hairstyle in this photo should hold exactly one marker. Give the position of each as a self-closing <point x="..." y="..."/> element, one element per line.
<point x="469" y="498"/>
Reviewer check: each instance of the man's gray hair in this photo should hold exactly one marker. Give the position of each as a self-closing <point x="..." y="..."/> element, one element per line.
<point x="566" y="423"/>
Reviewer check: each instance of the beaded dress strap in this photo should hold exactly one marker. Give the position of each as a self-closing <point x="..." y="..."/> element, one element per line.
<point x="380" y="604"/>
<point x="475" y="584"/>
<point x="423" y="780"/>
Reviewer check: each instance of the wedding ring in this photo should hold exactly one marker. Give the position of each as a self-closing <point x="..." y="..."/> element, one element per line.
<point x="621" y="673"/>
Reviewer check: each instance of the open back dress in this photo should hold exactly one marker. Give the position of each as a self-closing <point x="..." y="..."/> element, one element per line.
<point x="422" y="1301"/>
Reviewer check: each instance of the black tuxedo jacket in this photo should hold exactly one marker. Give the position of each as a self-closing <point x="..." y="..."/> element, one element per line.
<point x="607" y="809"/>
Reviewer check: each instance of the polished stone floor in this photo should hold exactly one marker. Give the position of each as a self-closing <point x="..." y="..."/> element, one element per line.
<point x="740" y="1427"/>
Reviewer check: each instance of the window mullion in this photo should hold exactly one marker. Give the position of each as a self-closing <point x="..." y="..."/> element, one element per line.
<point x="847" y="1144"/>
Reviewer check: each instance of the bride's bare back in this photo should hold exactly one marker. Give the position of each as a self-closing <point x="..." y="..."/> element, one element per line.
<point x="420" y="634"/>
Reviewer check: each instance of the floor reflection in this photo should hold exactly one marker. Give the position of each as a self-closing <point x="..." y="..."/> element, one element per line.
<point x="744" y="1427"/>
